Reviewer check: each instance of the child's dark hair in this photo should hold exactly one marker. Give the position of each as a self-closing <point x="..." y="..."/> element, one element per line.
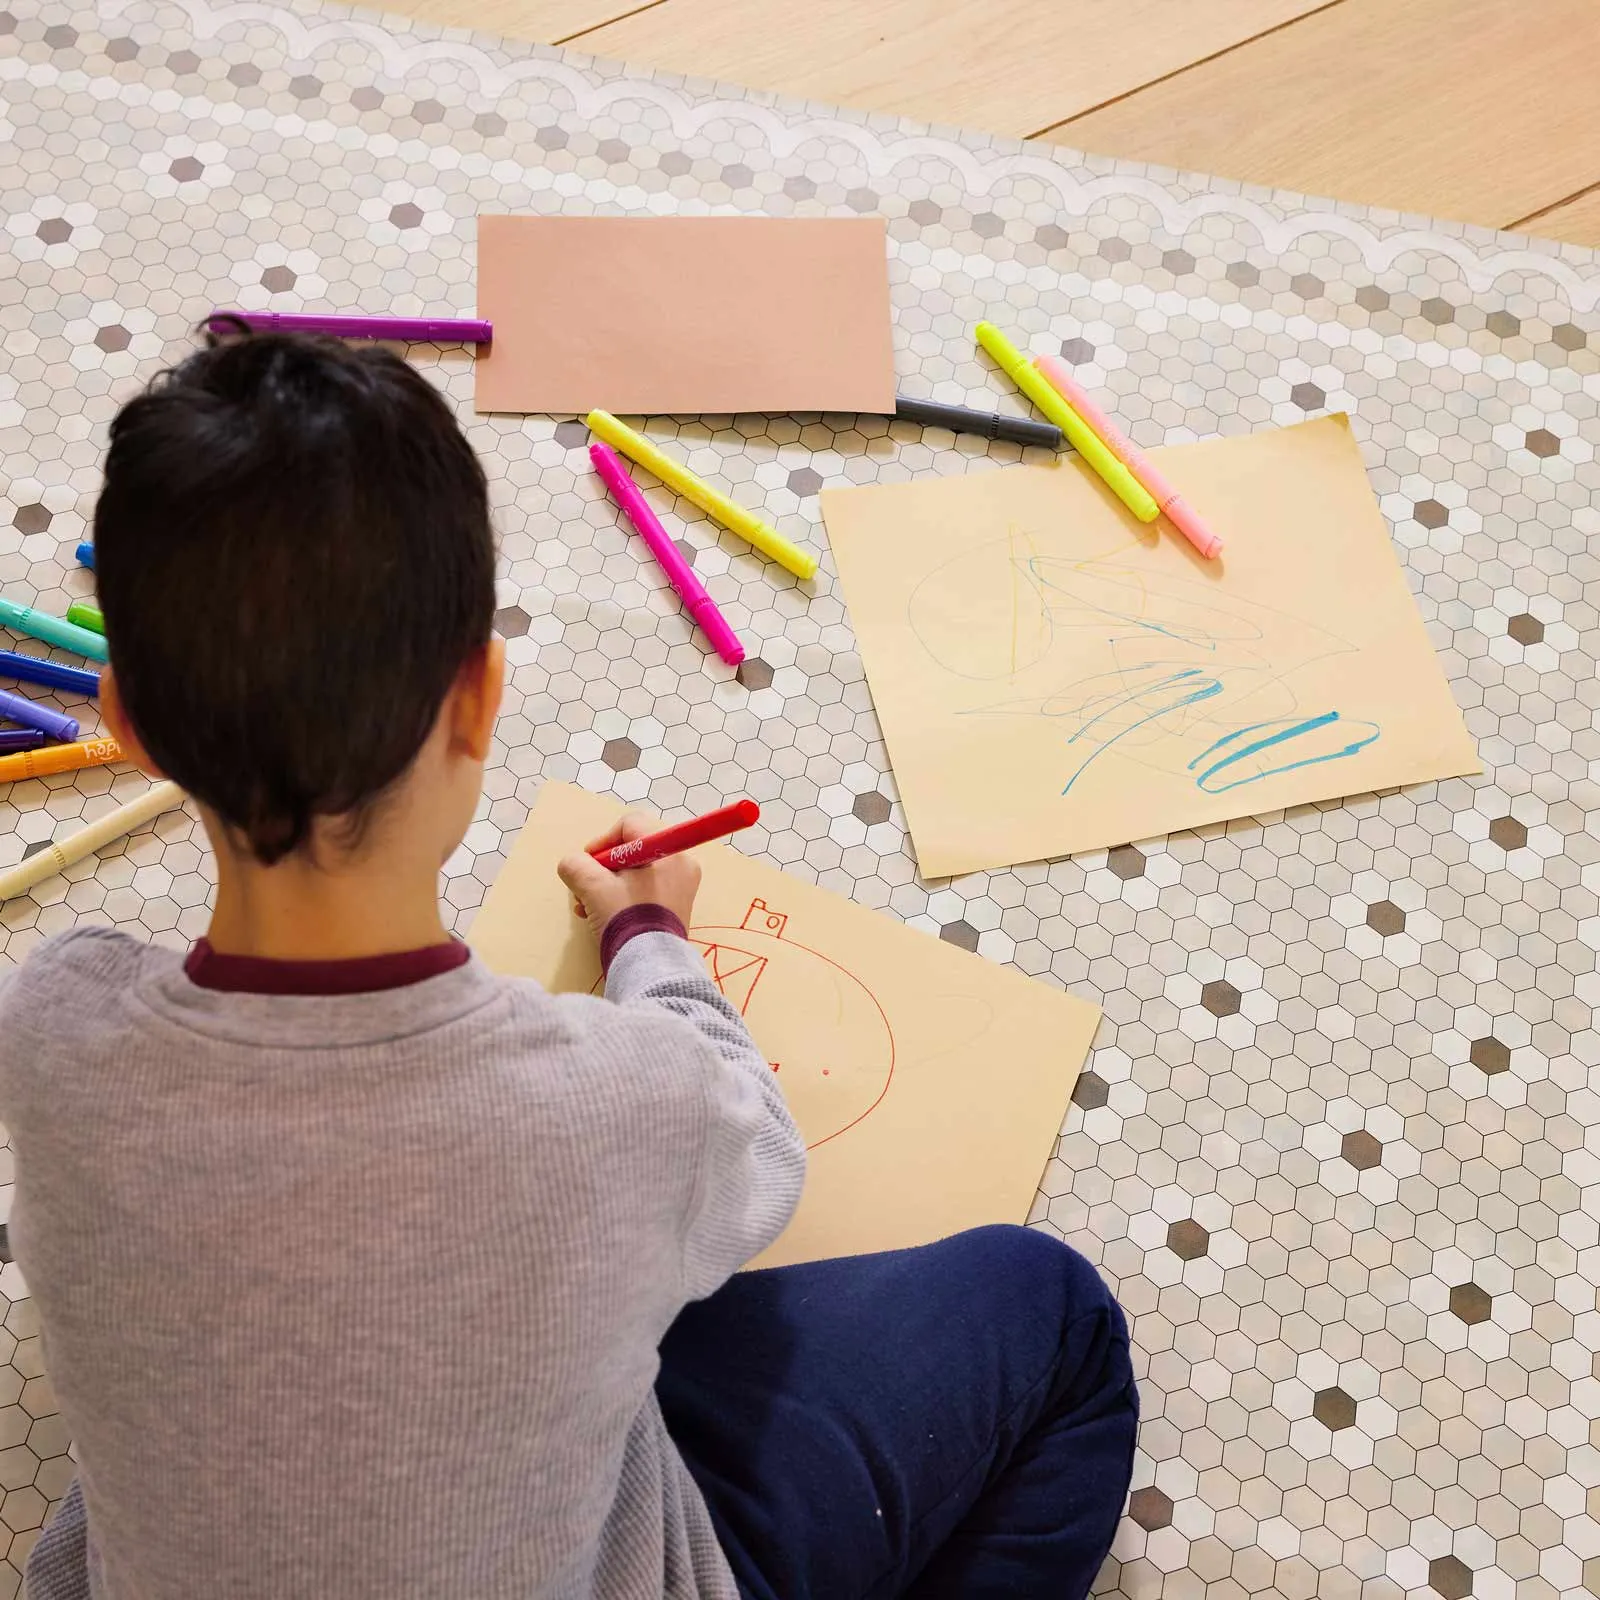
<point x="294" y="559"/>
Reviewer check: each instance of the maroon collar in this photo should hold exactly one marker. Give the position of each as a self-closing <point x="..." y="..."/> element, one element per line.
<point x="357" y="975"/>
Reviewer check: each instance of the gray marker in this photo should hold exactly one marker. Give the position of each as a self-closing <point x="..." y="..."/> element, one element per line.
<point x="962" y="419"/>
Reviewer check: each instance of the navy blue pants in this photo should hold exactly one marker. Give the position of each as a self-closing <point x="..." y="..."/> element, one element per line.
<point x="956" y="1420"/>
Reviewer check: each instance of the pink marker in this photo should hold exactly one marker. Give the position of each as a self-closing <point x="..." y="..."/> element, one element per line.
<point x="1178" y="510"/>
<point x="679" y="573"/>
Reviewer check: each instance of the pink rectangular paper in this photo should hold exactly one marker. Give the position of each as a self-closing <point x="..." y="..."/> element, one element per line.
<point x="681" y="315"/>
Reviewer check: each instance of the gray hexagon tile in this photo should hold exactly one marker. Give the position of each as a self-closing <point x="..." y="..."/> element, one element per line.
<point x="1333" y="1146"/>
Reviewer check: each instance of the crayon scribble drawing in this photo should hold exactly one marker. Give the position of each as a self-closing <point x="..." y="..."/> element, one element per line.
<point x="1165" y="671"/>
<point x="1051" y="677"/>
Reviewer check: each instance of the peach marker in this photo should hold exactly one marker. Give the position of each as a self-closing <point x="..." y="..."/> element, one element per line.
<point x="1178" y="510"/>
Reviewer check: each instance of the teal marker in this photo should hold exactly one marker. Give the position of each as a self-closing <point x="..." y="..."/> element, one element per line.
<point x="52" y="630"/>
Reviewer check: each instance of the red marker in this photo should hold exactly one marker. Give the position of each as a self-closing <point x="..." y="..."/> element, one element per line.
<point x="679" y="836"/>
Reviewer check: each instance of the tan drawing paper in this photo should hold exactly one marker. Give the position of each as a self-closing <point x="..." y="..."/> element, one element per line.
<point x="1051" y="676"/>
<point x="674" y="315"/>
<point x="929" y="1083"/>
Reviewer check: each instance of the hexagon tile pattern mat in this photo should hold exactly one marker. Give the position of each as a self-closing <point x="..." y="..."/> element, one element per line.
<point x="1337" y="1147"/>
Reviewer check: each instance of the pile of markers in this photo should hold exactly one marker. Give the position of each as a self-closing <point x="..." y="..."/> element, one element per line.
<point x="1072" y="416"/>
<point x="1125" y="469"/>
<point x="45" y="741"/>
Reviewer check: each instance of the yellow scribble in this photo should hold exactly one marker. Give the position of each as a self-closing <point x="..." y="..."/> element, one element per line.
<point x="1016" y="591"/>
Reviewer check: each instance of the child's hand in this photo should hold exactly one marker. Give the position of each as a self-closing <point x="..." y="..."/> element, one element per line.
<point x="600" y="894"/>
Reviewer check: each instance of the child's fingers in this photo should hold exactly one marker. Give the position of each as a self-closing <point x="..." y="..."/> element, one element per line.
<point x="613" y="835"/>
<point x="630" y="825"/>
<point x="635" y="825"/>
<point x="583" y="875"/>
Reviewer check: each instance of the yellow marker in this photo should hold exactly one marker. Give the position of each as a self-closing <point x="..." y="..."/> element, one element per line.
<point x="679" y="478"/>
<point x="1080" y="435"/>
<point x="58" y="758"/>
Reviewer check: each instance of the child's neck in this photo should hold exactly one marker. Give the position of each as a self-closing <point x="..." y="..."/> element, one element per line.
<point x="379" y="904"/>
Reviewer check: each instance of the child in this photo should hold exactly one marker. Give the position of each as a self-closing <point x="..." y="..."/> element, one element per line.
<point x="363" y="1272"/>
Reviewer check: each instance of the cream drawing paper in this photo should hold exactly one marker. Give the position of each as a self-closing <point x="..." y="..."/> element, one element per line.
<point x="930" y="1083"/>
<point x="1052" y="676"/>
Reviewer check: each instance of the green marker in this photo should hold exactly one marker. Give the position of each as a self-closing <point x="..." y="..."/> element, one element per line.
<point x="85" y="615"/>
<point x="1080" y="435"/>
<point x="53" y="630"/>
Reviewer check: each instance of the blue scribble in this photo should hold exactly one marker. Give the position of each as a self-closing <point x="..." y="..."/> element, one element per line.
<point x="1185" y="688"/>
<point x="1285" y="729"/>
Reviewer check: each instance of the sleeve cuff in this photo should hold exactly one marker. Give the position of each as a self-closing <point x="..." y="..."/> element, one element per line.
<point x="630" y="923"/>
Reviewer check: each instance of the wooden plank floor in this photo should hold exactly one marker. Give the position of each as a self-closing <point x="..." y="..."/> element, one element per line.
<point x="1005" y="66"/>
<point x="1483" y="110"/>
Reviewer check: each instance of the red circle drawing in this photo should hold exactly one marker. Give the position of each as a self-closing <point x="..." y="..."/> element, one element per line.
<point x="823" y="1029"/>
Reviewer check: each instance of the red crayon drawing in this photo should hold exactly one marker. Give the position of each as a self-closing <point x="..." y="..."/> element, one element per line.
<point x="838" y="1050"/>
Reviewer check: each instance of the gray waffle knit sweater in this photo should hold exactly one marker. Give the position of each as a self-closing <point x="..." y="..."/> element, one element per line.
<point x="360" y="1296"/>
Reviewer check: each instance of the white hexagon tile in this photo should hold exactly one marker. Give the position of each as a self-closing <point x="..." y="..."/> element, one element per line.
<point x="1337" y="1147"/>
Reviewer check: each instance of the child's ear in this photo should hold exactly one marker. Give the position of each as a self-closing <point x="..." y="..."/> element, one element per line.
<point x="116" y="719"/>
<point x="476" y="699"/>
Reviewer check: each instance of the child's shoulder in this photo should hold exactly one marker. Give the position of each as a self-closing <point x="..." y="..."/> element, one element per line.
<point x="63" y="1000"/>
<point x="94" y="950"/>
<point x="65" y="973"/>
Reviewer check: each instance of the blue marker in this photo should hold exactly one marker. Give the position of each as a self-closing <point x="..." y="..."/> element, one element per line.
<point x="86" y="556"/>
<point x="13" y="740"/>
<point x="54" y="724"/>
<point x="52" y="674"/>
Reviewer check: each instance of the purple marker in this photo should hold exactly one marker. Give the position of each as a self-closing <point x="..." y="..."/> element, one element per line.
<point x="53" y="674"/>
<point x="420" y="330"/>
<point x="53" y="724"/>
<point x="14" y="739"/>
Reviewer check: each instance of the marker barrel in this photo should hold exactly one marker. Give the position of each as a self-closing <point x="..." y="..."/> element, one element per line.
<point x="417" y="330"/>
<point x="52" y="630"/>
<point x="1081" y="436"/>
<point x="59" y="758"/>
<point x="58" y="857"/>
<point x="1178" y="510"/>
<point x="679" y="836"/>
<point x="697" y="602"/>
<point x="987" y="424"/>
<point x="678" y="477"/>
<point x="53" y="674"/>
<point x="53" y="724"/>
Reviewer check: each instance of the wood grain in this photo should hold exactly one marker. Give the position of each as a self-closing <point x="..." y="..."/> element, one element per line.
<point x="1577" y="220"/>
<point x="1004" y="66"/>
<point x="543" y="21"/>
<point x="1484" y="110"/>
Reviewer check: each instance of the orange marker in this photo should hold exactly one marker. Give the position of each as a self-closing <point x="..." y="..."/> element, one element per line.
<point x="59" y="758"/>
